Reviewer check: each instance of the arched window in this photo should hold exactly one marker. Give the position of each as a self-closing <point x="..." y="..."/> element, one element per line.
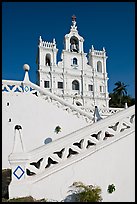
<point x="74" y="44"/>
<point x="48" y="60"/>
<point x="75" y="61"/>
<point x="99" y="66"/>
<point x="75" y="85"/>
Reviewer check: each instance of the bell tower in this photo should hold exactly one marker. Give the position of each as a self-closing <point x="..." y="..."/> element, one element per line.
<point x="73" y="41"/>
<point x="47" y="56"/>
<point x="97" y="60"/>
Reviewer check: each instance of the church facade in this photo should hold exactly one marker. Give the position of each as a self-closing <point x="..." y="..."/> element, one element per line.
<point x="78" y="78"/>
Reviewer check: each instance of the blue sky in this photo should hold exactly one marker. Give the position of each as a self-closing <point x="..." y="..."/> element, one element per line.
<point x="101" y="24"/>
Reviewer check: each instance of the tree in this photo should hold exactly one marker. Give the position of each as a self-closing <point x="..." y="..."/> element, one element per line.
<point x="58" y="129"/>
<point x="113" y="101"/>
<point x="119" y="96"/>
<point x="86" y="193"/>
<point x="6" y="179"/>
<point x="120" y="90"/>
<point x="129" y="100"/>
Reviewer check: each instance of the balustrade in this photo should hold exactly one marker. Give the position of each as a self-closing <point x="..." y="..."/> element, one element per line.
<point x="28" y="87"/>
<point x="53" y="156"/>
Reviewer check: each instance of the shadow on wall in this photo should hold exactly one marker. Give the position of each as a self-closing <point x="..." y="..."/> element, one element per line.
<point x="70" y="198"/>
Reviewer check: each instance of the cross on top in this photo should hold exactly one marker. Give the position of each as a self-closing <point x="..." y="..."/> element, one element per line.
<point x="73" y="18"/>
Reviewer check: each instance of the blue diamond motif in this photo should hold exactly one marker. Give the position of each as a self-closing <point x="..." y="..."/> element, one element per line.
<point x="18" y="172"/>
<point x="26" y="88"/>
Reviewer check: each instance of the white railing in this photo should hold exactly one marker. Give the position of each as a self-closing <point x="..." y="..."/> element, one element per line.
<point x="12" y="86"/>
<point x="52" y="157"/>
<point x="86" y="112"/>
<point x="103" y="111"/>
<point x="28" y="87"/>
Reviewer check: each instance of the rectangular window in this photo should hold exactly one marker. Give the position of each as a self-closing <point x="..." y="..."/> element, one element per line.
<point x="101" y="89"/>
<point x="90" y="87"/>
<point x="46" y="84"/>
<point x="60" y="85"/>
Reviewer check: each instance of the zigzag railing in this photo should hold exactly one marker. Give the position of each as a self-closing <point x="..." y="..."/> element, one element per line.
<point x="77" y="145"/>
<point x="102" y="111"/>
<point x="12" y="86"/>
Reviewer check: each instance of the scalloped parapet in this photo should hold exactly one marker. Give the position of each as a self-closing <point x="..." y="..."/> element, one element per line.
<point x="97" y="52"/>
<point x="47" y="44"/>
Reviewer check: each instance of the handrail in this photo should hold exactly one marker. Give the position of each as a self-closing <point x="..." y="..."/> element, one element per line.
<point x="72" y="137"/>
<point x="50" y="97"/>
<point x="86" y="112"/>
<point x="56" y="98"/>
<point x="74" y="146"/>
<point x="12" y="82"/>
<point x="103" y="111"/>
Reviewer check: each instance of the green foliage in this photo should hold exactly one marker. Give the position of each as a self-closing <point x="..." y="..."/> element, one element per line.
<point x="120" y="89"/>
<point x="119" y="96"/>
<point x="4" y="200"/>
<point x="129" y="100"/>
<point x="58" y="129"/>
<point x="24" y="199"/>
<point x="89" y="193"/>
<point x="114" y="101"/>
<point x="6" y="179"/>
<point x="111" y="188"/>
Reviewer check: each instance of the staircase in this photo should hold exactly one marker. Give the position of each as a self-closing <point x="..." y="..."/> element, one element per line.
<point x="26" y="87"/>
<point x="100" y="153"/>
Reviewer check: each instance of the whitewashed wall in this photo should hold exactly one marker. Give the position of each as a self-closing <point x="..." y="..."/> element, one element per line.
<point x="113" y="164"/>
<point x="38" y="119"/>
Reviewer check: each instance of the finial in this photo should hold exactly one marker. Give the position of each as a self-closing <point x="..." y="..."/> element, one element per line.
<point x="74" y="22"/>
<point x="40" y="39"/>
<point x="26" y="67"/>
<point x="104" y="49"/>
<point x="92" y="48"/>
<point x="54" y="41"/>
<point x="73" y="18"/>
<point x="126" y="106"/>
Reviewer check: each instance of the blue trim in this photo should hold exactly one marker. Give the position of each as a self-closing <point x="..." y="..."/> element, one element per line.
<point x="18" y="177"/>
<point x="26" y="88"/>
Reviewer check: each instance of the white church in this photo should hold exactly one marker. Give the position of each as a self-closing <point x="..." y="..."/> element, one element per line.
<point x="62" y="130"/>
<point x="78" y="79"/>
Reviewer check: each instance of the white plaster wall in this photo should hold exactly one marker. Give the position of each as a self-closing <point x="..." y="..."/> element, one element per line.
<point x="113" y="164"/>
<point x="43" y="52"/>
<point x="75" y="74"/>
<point x="96" y="59"/>
<point x="88" y="80"/>
<point x="38" y="119"/>
<point x="68" y="59"/>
